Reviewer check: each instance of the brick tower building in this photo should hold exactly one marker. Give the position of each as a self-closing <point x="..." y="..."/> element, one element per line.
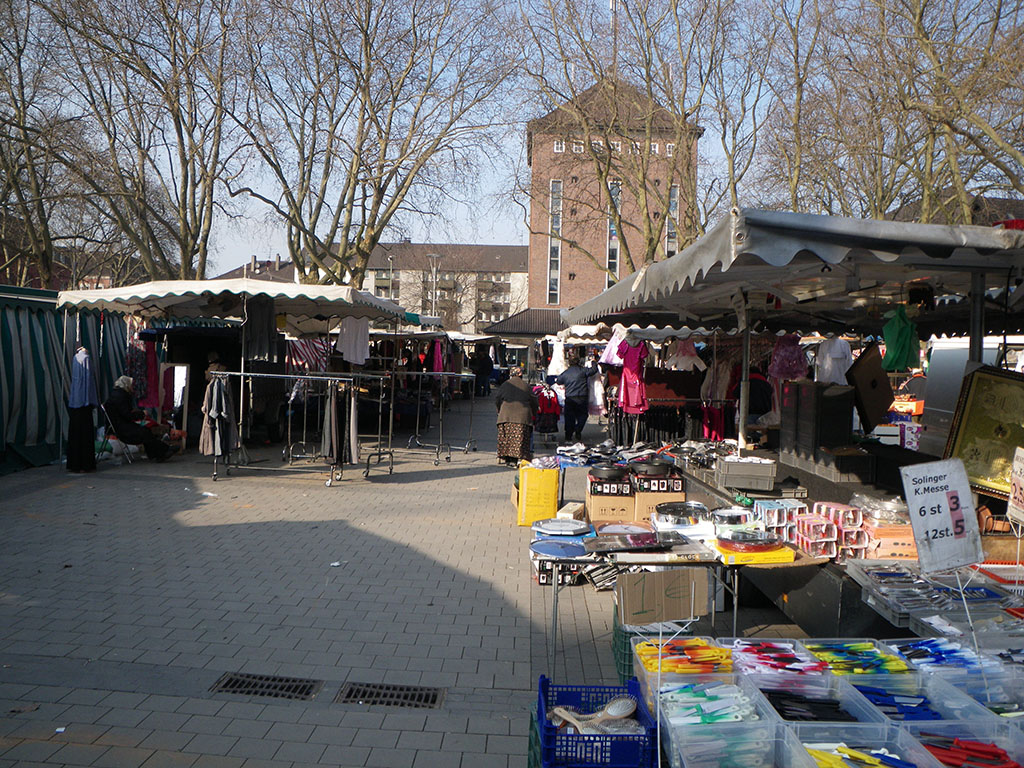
<point x="612" y="179"/>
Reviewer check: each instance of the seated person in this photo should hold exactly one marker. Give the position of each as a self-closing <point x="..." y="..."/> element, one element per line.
<point x="123" y="415"/>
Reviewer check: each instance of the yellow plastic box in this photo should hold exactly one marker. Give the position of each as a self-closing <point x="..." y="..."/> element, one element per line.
<point x="538" y="494"/>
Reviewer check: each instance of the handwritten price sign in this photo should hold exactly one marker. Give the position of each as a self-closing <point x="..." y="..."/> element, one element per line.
<point x="1015" y="506"/>
<point x="942" y="515"/>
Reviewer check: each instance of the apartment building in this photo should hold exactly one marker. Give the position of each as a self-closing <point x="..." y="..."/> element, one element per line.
<point x="468" y="286"/>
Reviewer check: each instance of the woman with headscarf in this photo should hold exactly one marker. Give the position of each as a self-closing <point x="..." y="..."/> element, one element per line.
<point x="123" y="417"/>
<point x="516" y="405"/>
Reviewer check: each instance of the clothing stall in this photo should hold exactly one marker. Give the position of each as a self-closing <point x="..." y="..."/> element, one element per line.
<point x="264" y="308"/>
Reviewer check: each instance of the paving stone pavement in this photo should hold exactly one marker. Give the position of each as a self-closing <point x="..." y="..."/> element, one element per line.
<point x="126" y="594"/>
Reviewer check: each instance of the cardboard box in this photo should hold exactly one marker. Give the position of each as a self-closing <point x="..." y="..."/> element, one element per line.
<point x="572" y="511"/>
<point x="784" y="555"/>
<point x="646" y="503"/>
<point x="609" y="508"/>
<point x="538" y="494"/>
<point x="670" y="595"/>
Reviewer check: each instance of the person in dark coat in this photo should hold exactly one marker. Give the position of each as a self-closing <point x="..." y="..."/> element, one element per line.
<point x="123" y="414"/>
<point x="516" y="405"/>
<point x="576" y="380"/>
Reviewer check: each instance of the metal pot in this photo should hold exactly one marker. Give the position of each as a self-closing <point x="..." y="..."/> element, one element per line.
<point x="656" y="467"/>
<point x="688" y="509"/>
<point x="609" y="471"/>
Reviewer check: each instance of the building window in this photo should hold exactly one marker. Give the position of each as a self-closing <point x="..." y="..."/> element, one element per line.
<point x="635" y="147"/>
<point x="577" y="147"/>
<point x="671" y="230"/>
<point x="559" y="146"/>
<point x="614" y="198"/>
<point x="615" y="145"/>
<point x="554" y="241"/>
<point x="597" y="146"/>
<point x="670" y="150"/>
<point x="654" y="147"/>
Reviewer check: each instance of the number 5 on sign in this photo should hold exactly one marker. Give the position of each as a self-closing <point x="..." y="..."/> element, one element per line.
<point x="942" y="515"/>
<point x="1015" y="506"/>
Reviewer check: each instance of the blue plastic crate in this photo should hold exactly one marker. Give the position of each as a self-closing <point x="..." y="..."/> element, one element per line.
<point x="566" y="750"/>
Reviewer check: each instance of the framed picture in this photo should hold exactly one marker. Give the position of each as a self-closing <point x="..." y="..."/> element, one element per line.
<point x="987" y="428"/>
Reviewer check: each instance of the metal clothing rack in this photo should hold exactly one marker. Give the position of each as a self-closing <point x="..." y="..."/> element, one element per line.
<point x="350" y="382"/>
<point x="441" y="445"/>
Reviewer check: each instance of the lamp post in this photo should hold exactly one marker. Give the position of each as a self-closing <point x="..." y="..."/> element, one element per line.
<point x="435" y="262"/>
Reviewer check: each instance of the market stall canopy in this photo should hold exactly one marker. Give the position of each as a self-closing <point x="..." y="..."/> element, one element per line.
<point x="309" y="308"/>
<point x="821" y="268"/>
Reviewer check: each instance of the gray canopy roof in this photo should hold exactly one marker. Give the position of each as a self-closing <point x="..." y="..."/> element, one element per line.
<point x="825" y="267"/>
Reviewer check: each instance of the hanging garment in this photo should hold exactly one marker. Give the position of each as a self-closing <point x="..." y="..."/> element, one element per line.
<point x="788" y="359"/>
<point x="152" y="388"/>
<point x="611" y="356"/>
<point x="833" y="361"/>
<point x="260" y="329"/>
<point x="595" y="396"/>
<point x="714" y="422"/>
<point x="632" y="390"/>
<point x="83" y="383"/>
<point x="332" y="441"/>
<point x="82" y="399"/>
<point x="557" y="366"/>
<point x="219" y="435"/>
<point x="437" y="357"/>
<point x="353" y="342"/>
<point x="717" y="378"/>
<point x="135" y="360"/>
<point x="548" y="410"/>
<point x="682" y="356"/>
<point x="902" y="348"/>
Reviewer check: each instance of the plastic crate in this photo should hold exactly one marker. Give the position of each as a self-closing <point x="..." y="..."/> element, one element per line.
<point x="571" y="750"/>
<point x="622" y="648"/>
<point x="752" y="475"/>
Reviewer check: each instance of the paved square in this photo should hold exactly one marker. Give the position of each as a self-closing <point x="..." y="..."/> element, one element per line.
<point x="125" y="595"/>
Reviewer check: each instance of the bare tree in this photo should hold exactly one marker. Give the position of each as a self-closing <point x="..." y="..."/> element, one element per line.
<point x="361" y="109"/>
<point x="152" y="81"/>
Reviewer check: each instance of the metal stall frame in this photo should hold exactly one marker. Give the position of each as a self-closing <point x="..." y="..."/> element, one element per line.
<point x="351" y="382"/>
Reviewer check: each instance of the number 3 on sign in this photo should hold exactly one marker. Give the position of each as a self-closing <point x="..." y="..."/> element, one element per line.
<point x="956" y="514"/>
<point x="1015" y="507"/>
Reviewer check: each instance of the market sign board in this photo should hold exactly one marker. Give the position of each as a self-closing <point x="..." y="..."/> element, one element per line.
<point x="942" y="515"/>
<point x="1015" y="504"/>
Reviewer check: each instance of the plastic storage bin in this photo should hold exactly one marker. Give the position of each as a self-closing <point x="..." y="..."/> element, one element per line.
<point x="998" y="692"/>
<point x="943" y="698"/>
<point x="1009" y="739"/>
<point x="821" y="687"/>
<point x="745" y="658"/>
<point x="867" y="737"/>
<point x="732" y="472"/>
<point x="571" y="750"/>
<point x="622" y="648"/>
<point x="858" y="656"/>
<point x="782" y="750"/>
<point x="926" y="654"/>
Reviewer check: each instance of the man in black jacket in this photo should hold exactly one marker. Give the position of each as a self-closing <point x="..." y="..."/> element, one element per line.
<point x="576" y="381"/>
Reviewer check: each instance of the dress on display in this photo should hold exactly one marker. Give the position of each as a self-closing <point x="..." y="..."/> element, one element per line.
<point x="788" y="359"/>
<point x="82" y="400"/>
<point x="833" y="361"/>
<point x="633" y="391"/>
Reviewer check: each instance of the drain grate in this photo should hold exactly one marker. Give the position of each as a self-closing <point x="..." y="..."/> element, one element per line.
<point x="379" y="694"/>
<point x="267" y="685"/>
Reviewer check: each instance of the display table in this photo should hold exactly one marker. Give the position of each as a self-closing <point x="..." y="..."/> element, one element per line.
<point x="815" y="593"/>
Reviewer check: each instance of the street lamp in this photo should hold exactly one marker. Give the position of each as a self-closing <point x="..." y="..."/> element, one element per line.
<point x="435" y="262"/>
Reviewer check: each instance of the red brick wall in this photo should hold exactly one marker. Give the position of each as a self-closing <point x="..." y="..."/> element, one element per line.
<point x="581" y="279"/>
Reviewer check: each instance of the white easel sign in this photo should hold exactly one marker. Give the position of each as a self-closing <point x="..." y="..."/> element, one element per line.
<point x="1015" y="505"/>
<point x="942" y="515"/>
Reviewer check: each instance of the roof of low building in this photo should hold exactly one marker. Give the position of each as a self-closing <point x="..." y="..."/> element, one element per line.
<point x="534" y="323"/>
<point x="265" y="270"/>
